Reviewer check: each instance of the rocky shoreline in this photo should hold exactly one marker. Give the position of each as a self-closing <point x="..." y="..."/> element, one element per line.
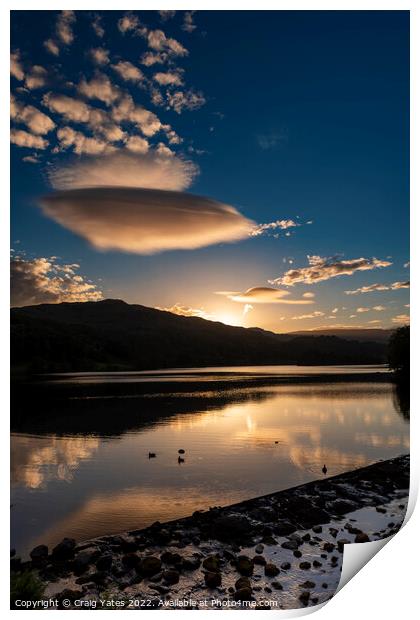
<point x="282" y="550"/>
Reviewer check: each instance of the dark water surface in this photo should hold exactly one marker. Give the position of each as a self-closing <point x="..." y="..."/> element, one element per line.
<point x="81" y="467"/>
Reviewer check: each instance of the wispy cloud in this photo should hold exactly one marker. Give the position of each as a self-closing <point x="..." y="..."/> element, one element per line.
<point x="401" y="319"/>
<point x="314" y="315"/>
<point x="189" y="25"/>
<point x="273" y="227"/>
<point x="326" y="268"/>
<point x="373" y="288"/>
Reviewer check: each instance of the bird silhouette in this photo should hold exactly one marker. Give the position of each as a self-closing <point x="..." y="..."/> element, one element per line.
<point x="181" y="451"/>
<point x="180" y="460"/>
<point x="324" y="470"/>
<point x="152" y="455"/>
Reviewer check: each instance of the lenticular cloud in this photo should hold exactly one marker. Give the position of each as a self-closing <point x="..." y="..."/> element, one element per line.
<point x="145" y="221"/>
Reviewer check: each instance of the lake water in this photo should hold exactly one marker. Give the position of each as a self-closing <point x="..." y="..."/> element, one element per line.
<point x="83" y="470"/>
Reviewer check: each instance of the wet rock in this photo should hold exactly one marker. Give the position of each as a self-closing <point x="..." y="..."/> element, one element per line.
<point x="131" y="560"/>
<point x="171" y="558"/>
<point x="333" y="531"/>
<point x="99" y="577"/>
<point x="328" y="547"/>
<point x="242" y="582"/>
<point x="269" y="540"/>
<point x="190" y="562"/>
<point x="297" y="553"/>
<point x="244" y="594"/>
<point x="171" y="577"/>
<point x="259" y="559"/>
<point x="361" y="538"/>
<point x="259" y="549"/>
<point x="268" y="589"/>
<point x="285" y="566"/>
<point x="104" y="562"/>
<point x="324" y="585"/>
<point x="39" y="555"/>
<point x="382" y="510"/>
<point x="156" y="578"/>
<point x="231" y="527"/>
<point x="150" y="565"/>
<point x="341" y="506"/>
<point x="284" y="528"/>
<point x="271" y="570"/>
<point x="245" y="566"/>
<point x="83" y="559"/>
<point x="64" y="550"/>
<point x="212" y="580"/>
<point x="316" y="564"/>
<point x="290" y="544"/>
<point x="308" y="585"/>
<point x="304" y="597"/>
<point x="317" y="529"/>
<point x="277" y="585"/>
<point x="212" y="564"/>
<point x="306" y="537"/>
<point x="305" y="565"/>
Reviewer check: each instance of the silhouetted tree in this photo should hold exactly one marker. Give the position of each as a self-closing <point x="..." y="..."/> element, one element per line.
<point x="399" y="352"/>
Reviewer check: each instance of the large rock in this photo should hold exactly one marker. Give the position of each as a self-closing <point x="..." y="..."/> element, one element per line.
<point x="212" y="580"/>
<point x="244" y="594"/>
<point x="83" y="559"/>
<point x="64" y="550"/>
<point x="39" y="555"/>
<point x="105" y="562"/>
<point x="170" y="577"/>
<point x="271" y="570"/>
<point x="212" y="564"/>
<point x="150" y="566"/>
<point x="244" y="566"/>
<point x="341" y="506"/>
<point x="231" y="527"/>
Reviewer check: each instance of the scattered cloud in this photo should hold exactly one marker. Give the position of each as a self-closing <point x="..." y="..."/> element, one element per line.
<point x="325" y="268"/>
<point x="185" y="100"/>
<point x="362" y="310"/>
<point x="122" y="169"/>
<point x="81" y="144"/>
<point x="313" y="315"/>
<point x="158" y="41"/>
<point x="64" y="28"/>
<point x="152" y="58"/>
<point x="128" y="72"/>
<point x="52" y="47"/>
<point x="127" y="110"/>
<point x="166" y="15"/>
<point x="263" y="295"/>
<point x="97" y="26"/>
<point x="38" y="122"/>
<point x="168" y="78"/>
<point x="99" y="55"/>
<point x="137" y="144"/>
<point x="263" y="229"/>
<point x="16" y="68"/>
<point x="407" y="264"/>
<point x="402" y="319"/>
<point x="129" y="22"/>
<point x="43" y="280"/>
<point x="145" y="221"/>
<point x="36" y="77"/>
<point x="99" y="87"/>
<point x="70" y="108"/>
<point x="308" y="295"/>
<point x="27" y="140"/>
<point x="188" y="24"/>
<point x="373" y="288"/>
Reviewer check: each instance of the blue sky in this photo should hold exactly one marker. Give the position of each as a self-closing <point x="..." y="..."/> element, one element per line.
<point x="288" y="117"/>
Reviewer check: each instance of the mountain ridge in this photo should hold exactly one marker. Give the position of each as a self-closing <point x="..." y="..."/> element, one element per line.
<point x="112" y="334"/>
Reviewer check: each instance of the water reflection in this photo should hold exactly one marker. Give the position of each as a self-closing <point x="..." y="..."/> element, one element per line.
<point x="82" y="468"/>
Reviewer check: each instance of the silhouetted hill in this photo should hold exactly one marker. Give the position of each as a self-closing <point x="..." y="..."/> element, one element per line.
<point x="114" y="335"/>
<point x="368" y="334"/>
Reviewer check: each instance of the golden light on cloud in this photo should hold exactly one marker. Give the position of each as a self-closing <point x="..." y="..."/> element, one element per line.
<point x="264" y="295"/>
<point x="145" y="221"/>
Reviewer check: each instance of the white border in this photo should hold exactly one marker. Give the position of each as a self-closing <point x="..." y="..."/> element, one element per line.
<point x="388" y="584"/>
